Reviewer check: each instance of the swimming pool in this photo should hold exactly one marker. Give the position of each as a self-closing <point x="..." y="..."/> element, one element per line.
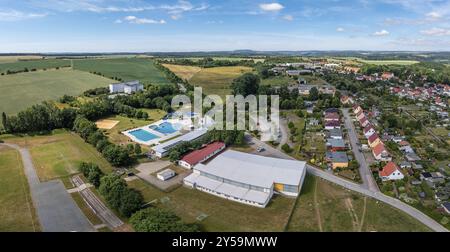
<point x="143" y="135"/>
<point x="164" y="128"/>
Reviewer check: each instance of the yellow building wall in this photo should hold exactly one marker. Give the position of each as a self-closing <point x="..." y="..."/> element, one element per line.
<point x="278" y="187"/>
<point x="340" y="165"/>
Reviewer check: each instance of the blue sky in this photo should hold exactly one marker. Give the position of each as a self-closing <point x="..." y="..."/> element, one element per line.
<point x="207" y="25"/>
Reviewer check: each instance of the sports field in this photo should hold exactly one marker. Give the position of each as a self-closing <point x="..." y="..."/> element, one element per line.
<point x="32" y="64"/>
<point x="127" y="69"/>
<point x="216" y="80"/>
<point x="19" y="91"/>
<point x="58" y="155"/>
<point x="16" y="211"/>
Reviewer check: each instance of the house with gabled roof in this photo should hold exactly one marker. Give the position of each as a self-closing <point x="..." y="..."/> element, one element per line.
<point x="380" y="153"/>
<point x="391" y="172"/>
<point x="368" y="131"/>
<point x="374" y="140"/>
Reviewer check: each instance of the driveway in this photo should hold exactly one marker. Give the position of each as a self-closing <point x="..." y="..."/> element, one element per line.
<point x="56" y="210"/>
<point x="364" y="169"/>
<point x="146" y="169"/>
<point x="418" y="215"/>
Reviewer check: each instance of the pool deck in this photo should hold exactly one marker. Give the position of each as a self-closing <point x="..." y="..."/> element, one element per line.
<point x="161" y="136"/>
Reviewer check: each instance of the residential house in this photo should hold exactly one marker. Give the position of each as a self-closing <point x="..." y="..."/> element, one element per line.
<point x="405" y="165"/>
<point x="313" y="122"/>
<point x="346" y="100"/>
<point x="360" y="115"/>
<point x="412" y="157"/>
<point x="304" y="89"/>
<point x="446" y="207"/>
<point x="374" y="140"/>
<point x="380" y="153"/>
<point x="364" y="122"/>
<point x="369" y="131"/>
<point x="417" y="166"/>
<point x="390" y="172"/>
<point x="332" y="125"/>
<point x="357" y="109"/>
<point x="332" y="117"/>
<point x="336" y="144"/>
<point x="387" y="76"/>
<point x="337" y="159"/>
<point x="335" y="134"/>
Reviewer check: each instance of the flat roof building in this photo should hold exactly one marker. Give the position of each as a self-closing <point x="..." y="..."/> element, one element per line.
<point x="163" y="149"/>
<point x="165" y="175"/>
<point x="126" y="87"/>
<point x="248" y="178"/>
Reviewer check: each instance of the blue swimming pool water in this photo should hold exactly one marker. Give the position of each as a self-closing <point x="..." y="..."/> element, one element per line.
<point x="143" y="135"/>
<point x="164" y="128"/>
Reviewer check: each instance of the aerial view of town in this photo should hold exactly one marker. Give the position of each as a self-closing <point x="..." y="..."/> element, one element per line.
<point x="224" y="116"/>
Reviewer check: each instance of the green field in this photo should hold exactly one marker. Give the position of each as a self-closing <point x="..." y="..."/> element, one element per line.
<point x="389" y="62"/>
<point x="127" y="69"/>
<point x="16" y="211"/>
<point x="58" y="155"/>
<point x="30" y="64"/>
<point x="19" y="91"/>
<point x="329" y="208"/>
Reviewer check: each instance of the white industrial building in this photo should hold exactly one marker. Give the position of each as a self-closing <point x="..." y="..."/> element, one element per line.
<point x="165" y="175"/>
<point x="163" y="149"/>
<point x="126" y="87"/>
<point x="248" y="178"/>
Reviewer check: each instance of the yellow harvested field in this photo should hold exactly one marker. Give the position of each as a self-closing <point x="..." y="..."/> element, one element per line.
<point x="106" y="124"/>
<point x="9" y="59"/>
<point x="184" y="72"/>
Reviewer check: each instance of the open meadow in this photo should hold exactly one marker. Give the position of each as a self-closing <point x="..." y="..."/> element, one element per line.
<point x="57" y="155"/>
<point x="14" y="58"/>
<point x="16" y="212"/>
<point x="19" y="91"/>
<point x="215" y="80"/>
<point x="127" y="69"/>
<point x="329" y="208"/>
<point x="321" y="206"/>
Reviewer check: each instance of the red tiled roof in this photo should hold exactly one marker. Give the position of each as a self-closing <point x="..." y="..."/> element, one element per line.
<point x="404" y="143"/>
<point x="367" y="128"/>
<point x="196" y="156"/>
<point x="373" y="138"/>
<point x="332" y="116"/>
<point x="378" y="149"/>
<point x="362" y="120"/>
<point x="388" y="169"/>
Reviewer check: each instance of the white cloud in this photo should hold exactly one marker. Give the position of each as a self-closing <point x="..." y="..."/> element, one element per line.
<point x="436" y="32"/>
<point x="434" y="15"/>
<point x="340" y="29"/>
<point x="271" y="7"/>
<point x="136" y="20"/>
<point x="381" y="33"/>
<point x="14" y="15"/>
<point x="288" y="17"/>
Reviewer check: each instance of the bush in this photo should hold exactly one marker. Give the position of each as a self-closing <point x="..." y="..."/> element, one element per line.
<point x="159" y="220"/>
<point x="286" y="148"/>
<point x="116" y="192"/>
<point x="92" y="172"/>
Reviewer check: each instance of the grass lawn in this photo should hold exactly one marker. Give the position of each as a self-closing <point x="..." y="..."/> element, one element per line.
<point x="115" y="134"/>
<point x="17" y="212"/>
<point x="20" y="91"/>
<point x="326" y="207"/>
<point x="278" y="81"/>
<point x="223" y="215"/>
<point x="58" y="155"/>
<point x="10" y="64"/>
<point x="216" y="80"/>
<point x="128" y="69"/>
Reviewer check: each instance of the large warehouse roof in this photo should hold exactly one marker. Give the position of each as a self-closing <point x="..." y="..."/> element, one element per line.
<point x="254" y="170"/>
<point x="184" y="138"/>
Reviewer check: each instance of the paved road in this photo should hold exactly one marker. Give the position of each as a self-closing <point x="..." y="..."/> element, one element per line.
<point x="364" y="169"/>
<point x="418" y="215"/>
<point x="103" y="212"/>
<point x="56" y="210"/>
